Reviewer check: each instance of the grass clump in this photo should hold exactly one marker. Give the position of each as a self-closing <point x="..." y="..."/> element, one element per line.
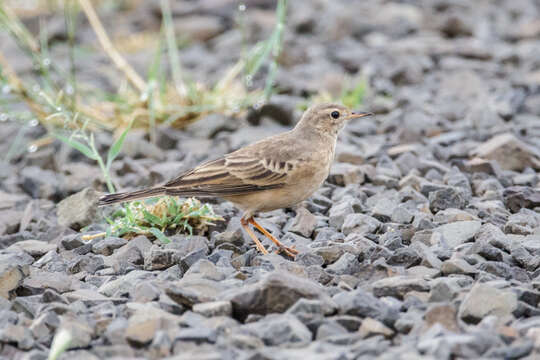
<point x="166" y="215"/>
<point x="143" y="102"/>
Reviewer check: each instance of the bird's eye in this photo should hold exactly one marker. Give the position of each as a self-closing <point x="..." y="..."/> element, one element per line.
<point x="335" y="114"/>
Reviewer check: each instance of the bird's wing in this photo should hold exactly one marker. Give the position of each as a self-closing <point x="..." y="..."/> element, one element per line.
<point x="238" y="173"/>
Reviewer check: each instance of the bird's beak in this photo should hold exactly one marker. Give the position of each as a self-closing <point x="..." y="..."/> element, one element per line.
<point x="355" y="115"/>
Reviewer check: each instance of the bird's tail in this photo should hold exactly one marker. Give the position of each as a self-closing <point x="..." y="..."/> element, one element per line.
<point x="129" y="196"/>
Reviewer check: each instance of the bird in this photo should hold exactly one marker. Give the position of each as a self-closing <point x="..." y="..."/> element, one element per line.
<point x="277" y="172"/>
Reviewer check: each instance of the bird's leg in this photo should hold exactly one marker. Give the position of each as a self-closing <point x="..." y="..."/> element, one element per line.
<point x="287" y="250"/>
<point x="252" y="235"/>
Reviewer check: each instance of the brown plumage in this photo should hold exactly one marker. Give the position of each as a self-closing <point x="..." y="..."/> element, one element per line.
<point x="276" y="172"/>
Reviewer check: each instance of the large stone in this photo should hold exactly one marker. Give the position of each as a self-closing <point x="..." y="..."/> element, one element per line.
<point x="40" y="183"/>
<point x="35" y="248"/>
<point x="457" y="233"/>
<point x="146" y="321"/>
<point x="189" y="292"/>
<point x="442" y="314"/>
<point x="398" y="286"/>
<point x="41" y="280"/>
<point x="483" y="300"/>
<point x="344" y="174"/>
<point x="78" y="210"/>
<point x="159" y="258"/>
<point x="518" y="197"/>
<point x="14" y="268"/>
<point x="510" y="152"/>
<point x="372" y="327"/>
<point x="275" y="293"/>
<point x="363" y="304"/>
<point x="304" y="223"/>
<point x="450" y="197"/>
<point x="279" y="330"/>
<point x="360" y="224"/>
<point x="213" y="308"/>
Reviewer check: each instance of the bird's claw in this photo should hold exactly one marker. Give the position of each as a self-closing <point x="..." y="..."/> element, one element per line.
<point x="289" y="251"/>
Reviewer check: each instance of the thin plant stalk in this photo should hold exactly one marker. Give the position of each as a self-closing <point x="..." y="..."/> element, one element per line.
<point x="281" y="12"/>
<point x="109" y="48"/>
<point x="176" y="69"/>
<point x="70" y="18"/>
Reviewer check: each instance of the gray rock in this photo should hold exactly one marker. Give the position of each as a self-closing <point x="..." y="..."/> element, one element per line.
<point x="78" y="210"/>
<point x="444" y="290"/>
<point x="339" y="211"/>
<point x="457" y="266"/>
<point x="450" y="215"/>
<point x="360" y="224"/>
<point x="81" y="332"/>
<point x="40" y="183"/>
<point x="398" y="286"/>
<point x="346" y="264"/>
<point x="59" y="281"/>
<point x="14" y="267"/>
<point x="124" y="284"/>
<point x="275" y="293"/>
<point x="87" y="263"/>
<point x="372" y="327"/>
<point x="158" y="258"/>
<point x="17" y="334"/>
<point x="519" y="197"/>
<point x="383" y="209"/>
<point x="214" y="308"/>
<point x="446" y="198"/>
<point x="405" y="256"/>
<point x="188" y="292"/>
<point x="279" y="330"/>
<point x="483" y="300"/>
<point x="342" y="174"/>
<point x="107" y="245"/>
<point x="493" y="235"/>
<point x="402" y="215"/>
<point x="34" y="248"/>
<point x="363" y="304"/>
<point x="457" y="233"/>
<point x="510" y="152"/>
<point x="304" y="223"/>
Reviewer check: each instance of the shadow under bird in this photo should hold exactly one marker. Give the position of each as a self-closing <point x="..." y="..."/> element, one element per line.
<point x="277" y="172"/>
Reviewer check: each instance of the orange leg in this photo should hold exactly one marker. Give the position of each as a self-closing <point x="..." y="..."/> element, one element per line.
<point x="252" y="235"/>
<point x="287" y="250"/>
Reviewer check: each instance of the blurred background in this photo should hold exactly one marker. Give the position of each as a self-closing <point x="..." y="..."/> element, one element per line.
<point x="431" y="211"/>
<point x="224" y="73"/>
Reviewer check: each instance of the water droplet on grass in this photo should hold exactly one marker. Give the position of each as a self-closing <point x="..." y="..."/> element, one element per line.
<point x="32" y="148"/>
<point x="33" y="123"/>
<point x="242" y="7"/>
<point x="3" y="117"/>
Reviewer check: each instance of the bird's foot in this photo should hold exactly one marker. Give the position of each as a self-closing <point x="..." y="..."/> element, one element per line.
<point x="289" y="251"/>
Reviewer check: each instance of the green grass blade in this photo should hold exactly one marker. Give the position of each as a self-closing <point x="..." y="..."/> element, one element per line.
<point x="152" y="219"/>
<point x="84" y="149"/>
<point x="159" y="235"/>
<point x="115" y="149"/>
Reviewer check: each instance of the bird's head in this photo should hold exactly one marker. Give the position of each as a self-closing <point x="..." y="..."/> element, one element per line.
<point x="328" y="118"/>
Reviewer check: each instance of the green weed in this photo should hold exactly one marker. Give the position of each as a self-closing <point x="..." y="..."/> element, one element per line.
<point x="168" y="214"/>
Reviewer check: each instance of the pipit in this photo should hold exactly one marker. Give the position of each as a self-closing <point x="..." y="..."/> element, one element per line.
<point x="277" y="172"/>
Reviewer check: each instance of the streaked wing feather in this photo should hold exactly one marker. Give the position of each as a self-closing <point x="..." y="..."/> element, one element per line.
<point x="230" y="175"/>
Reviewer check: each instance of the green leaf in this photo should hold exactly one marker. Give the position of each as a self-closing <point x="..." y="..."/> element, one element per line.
<point x="114" y="150"/>
<point x="159" y="235"/>
<point x="87" y="151"/>
<point x="257" y="56"/>
<point x="151" y="218"/>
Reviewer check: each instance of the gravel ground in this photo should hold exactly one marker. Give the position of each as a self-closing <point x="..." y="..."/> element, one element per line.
<point x="424" y="243"/>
